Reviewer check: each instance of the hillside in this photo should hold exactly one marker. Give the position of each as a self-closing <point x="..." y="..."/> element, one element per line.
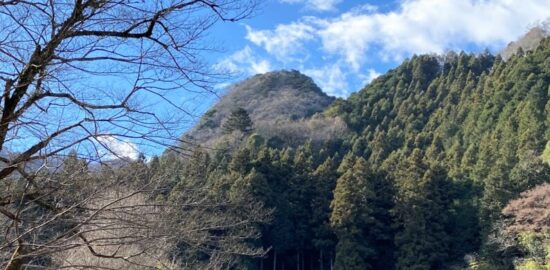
<point x="438" y="164"/>
<point x="479" y="122"/>
<point x="271" y="99"/>
<point x="435" y="149"/>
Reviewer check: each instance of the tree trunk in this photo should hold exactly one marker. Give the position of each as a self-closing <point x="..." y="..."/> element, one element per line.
<point x="298" y="260"/>
<point x="321" y="260"/>
<point x="311" y="260"/>
<point x="274" y="260"/>
<point x="262" y="263"/>
<point x="303" y="260"/>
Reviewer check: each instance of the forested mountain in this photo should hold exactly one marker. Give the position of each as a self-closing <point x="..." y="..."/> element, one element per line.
<point x="476" y="121"/>
<point x="432" y="153"/>
<point x="441" y="163"/>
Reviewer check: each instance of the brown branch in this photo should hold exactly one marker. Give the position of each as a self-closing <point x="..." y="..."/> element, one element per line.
<point x="12" y="166"/>
<point x="9" y="214"/>
<point x="37" y="62"/>
<point x="95" y="253"/>
<point x="10" y="3"/>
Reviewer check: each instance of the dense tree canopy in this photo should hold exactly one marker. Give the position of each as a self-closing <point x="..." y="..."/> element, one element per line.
<point x="437" y="148"/>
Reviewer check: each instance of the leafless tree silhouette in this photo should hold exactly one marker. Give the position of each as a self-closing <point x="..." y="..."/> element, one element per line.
<point x="85" y="75"/>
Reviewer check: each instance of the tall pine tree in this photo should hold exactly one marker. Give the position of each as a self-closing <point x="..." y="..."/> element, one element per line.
<point x="421" y="214"/>
<point x="356" y="211"/>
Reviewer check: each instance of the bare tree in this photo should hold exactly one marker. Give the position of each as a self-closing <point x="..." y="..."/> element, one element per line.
<point x="109" y="220"/>
<point x="88" y="75"/>
<point x="529" y="212"/>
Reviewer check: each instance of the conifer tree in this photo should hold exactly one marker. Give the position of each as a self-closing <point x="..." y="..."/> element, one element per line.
<point x="251" y="187"/>
<point x="300" y="196"/>
<point x="324" y="180"/>
<point x="240" y="163"/>
<point x="497" y="192"/>
<point x="353" y="218"/>
<point x="421" y="215"/>
<point x="197" y="166"/>
<point x="239" y="120"/>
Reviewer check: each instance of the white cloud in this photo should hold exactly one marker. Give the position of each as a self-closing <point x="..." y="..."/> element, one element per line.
<point x="425" y="26"/>
<point x="416" y="26"/>
<point x="285" y="42"/>
<point x="243" y="62"/>
<point x="331" y="79"/>
<point x="368" y="8"/>
<point x="116" y="148"/>
<point x="262" y="66"/>
<point x="371" y="75"/>
<point x="318" y="5"/>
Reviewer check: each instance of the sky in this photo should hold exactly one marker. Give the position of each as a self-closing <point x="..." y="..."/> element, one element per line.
<point x="345" y="44"/>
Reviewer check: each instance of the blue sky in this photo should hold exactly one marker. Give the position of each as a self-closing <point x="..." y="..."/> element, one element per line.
<point x="344" y="44"/>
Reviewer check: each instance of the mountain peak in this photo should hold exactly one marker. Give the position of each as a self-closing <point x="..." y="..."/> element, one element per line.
<point x="276" y="81"/>
<point x="269" y="99"/>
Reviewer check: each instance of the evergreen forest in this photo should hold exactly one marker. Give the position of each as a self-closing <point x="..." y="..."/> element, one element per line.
<point x="434" y="152"/>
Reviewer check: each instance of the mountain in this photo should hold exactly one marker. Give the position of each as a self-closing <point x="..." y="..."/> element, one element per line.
<point x="411" y="172"/>
<point x="474" y="124"/>
<point x="432" y="153"/>
<point x="271" y="99"/>
<point x="528" y="41"/>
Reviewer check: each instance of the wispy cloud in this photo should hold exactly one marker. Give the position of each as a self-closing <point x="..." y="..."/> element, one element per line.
<point x="416" y="26"/>
<point x="371" y="75"/>
<point x="243" y="62"/>
<point x="285" y="42"/>
<point x="318" y="5"/>
<point x="332" y="79"/>
<point x="426" y="26"/>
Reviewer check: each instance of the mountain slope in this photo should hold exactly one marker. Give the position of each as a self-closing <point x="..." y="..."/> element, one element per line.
<point x="435" y="149"/>
<point x="270" y="99"/>
<point x="483" y="121"/>
<point x="464" y="102"/>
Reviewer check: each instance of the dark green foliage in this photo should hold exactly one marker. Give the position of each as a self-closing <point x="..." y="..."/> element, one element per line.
<point x="436" y="148"/>
<point x="360" y="218"/>
<point x="238" y="121"/>
<point x="214" y="191"/>
<point x="482" y="120"/>
<point x="422" y="214"/>
<point x="324" y="181"/>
